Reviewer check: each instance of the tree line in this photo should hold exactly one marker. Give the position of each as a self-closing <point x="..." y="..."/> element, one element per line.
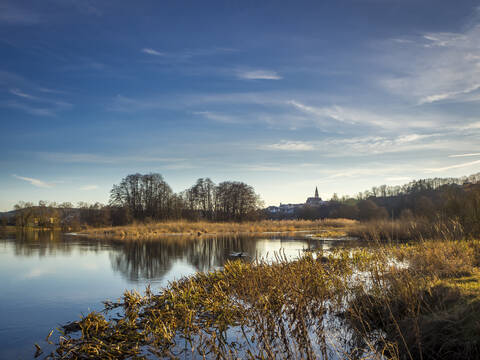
<point x="148" y="197"/>
<point x="430" y="199"/>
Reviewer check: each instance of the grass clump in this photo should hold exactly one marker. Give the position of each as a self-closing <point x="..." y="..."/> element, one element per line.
<point x="417" y="301"/>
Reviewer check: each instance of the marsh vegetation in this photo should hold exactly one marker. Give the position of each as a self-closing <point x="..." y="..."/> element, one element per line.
<point x="415" y="301"/>
<point x="197" y="228"/>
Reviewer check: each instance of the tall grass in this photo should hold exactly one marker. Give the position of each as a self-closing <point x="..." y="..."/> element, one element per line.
<point x="393" y="302"/>
<point x="156" y="229"/>
<point x="407" y="229"/>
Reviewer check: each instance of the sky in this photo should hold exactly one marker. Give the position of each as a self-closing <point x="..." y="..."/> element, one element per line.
<point x="282" y="95"/>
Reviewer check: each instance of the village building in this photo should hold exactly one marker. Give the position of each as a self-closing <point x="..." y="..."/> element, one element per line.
<point x="315" y="201"/>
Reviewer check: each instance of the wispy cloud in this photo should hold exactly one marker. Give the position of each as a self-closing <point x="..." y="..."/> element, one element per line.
<point x="34" y="182"/>
<point x="35" y="105"/>
<point x="184" y="56"/>
<point x="20" y="93"/>
<point x="89" y="187"/>
<point x="446" y="67"/>
<point x="259" y="75"/>
<point x="442" y="39"/>
<point x="471" y="126"/>
<point x="457" y="166"/>
<point x="51" y="91"/>
<point x="103" y="159"/>
<point x="152" y="52"/>
<point x="187" y="100"/>
<point x="32" y="110"/>
<point x="361" y="146"/>
<point x="464" y="155"/>
<point x="365" y="117"/>
<point x="334" y="112"/>
<point x="448" y="95"/>
<point x="289" y="146"/>
<point x="218" y="117"/>
<point x="42" y="99"/>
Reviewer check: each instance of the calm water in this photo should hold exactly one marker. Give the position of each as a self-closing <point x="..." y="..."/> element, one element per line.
<point x="48" y="279"/>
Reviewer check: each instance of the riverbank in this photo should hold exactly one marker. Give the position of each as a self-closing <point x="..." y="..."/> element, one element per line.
<point x="419" y="300"/>
<point x="189" y="228"/>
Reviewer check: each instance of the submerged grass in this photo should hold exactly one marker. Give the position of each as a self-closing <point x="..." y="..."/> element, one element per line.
<point x="419" y="301"/>
<point x="156" y="229"/>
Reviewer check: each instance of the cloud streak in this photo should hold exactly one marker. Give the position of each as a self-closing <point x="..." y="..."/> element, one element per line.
<point x="34" y="182"/>
<point x="290" y="146"/>
<point x="34" y="105"/>
<point x="89" y="187"/>
<point x="218" y="117"/>
<point x="464" y="155"/>
<point x="259" y="75"/>
<point x="152" y="52"/>
<point x="457" y="166"/>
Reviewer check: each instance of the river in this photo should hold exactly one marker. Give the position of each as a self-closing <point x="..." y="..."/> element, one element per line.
<point x="48" y="278"/>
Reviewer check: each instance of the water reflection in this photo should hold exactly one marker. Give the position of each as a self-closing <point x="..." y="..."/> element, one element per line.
<point x="48" y="278"/>
<point x="47" y="243"/>
<point x="150" y="260"/>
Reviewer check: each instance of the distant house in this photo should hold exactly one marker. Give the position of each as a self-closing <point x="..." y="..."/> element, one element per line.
<point x="289" y="209"/>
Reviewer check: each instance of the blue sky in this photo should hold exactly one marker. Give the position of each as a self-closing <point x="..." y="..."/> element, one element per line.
<point x="282" y="95"/>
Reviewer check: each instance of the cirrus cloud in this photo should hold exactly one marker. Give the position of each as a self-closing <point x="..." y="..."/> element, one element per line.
<point x="290" y="146"/>
<point x="259" y="75"/>
<point x="34" y="182"/>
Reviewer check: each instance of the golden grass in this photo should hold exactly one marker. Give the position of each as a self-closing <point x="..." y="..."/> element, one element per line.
<point x="157" y="229"/>
<point x="407" y="229"/>
<point x="419" y="301"/>
<point x="331" y="234"/>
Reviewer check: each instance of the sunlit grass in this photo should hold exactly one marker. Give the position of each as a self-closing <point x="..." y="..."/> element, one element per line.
<point x="407" y="229"/>
<point x="417" y="301"/>
<point x="156" y="229"/>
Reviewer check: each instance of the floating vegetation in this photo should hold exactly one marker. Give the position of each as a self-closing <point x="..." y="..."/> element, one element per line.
<point x="330" y="234"/>
<point x="392" y="302"/>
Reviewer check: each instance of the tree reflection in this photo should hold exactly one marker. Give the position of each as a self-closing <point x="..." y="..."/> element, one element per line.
<point x="152" y="259"/>
<point x="48" y="243"/>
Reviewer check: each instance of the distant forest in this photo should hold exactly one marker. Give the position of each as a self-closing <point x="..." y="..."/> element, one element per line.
<point x="437" y="200"/>
<point x="147" y="198"/>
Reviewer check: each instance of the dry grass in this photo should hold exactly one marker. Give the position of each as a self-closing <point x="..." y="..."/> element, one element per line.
<point x="154" y="230"/>
<point x="407" y="229"/>
<point x="428" y="310"/>
<point x="418" y="301"/>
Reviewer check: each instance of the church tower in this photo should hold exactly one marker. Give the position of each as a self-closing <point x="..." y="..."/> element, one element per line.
<point x="316" y="200"/>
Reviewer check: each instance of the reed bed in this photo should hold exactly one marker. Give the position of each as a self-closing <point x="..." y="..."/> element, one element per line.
<point x="417" y="301"/>
<point x="407" y="229"/>
<point x="156" y="229"/>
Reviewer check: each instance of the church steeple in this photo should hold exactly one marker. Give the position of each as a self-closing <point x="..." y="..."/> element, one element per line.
<point x="316" y="192"/>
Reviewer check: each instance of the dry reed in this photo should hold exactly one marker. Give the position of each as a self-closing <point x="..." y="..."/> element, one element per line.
<point x="416" y="301"/>
<point x="157" y="229"/>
